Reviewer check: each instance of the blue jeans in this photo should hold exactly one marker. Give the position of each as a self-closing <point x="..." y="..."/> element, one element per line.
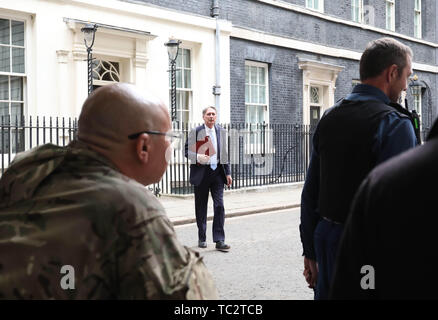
<point x="327" y="235"/>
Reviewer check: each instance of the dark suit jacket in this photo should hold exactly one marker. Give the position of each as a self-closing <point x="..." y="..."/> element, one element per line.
<point x="197" y="170"/>
<point x="393" y="215"/>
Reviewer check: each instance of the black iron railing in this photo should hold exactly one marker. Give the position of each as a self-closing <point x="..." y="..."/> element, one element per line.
<point x="259" y="154"/>
<point x="18" y="134"/>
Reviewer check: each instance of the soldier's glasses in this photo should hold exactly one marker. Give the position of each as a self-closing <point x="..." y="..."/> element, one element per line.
<point x="173" y="137"/>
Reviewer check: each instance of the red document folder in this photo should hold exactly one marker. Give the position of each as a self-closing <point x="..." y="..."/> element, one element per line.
<point x="204" y="147"/>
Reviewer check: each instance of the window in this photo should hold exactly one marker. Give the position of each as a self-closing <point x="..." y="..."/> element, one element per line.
<point x="256" y="92"/>
<point x="12" y="80"/>
<point x="184" y="92"/>
<point x="417" y="19"/>
<point x="357" y="10"/>
<point x="317" y="5"/>
<point x="105" y="72"/>
<point x="316" y="104"/>
<point x="390" y="15"/>
<point x="418" y="104"/>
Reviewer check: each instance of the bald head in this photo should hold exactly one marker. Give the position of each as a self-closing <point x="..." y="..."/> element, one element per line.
<point x="113" y="112"/>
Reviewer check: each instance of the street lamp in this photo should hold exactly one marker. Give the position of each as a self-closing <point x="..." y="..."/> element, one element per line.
<point x="415" y="86"/>
<point x="89" y="31"/>
<point x="172" y="51"/>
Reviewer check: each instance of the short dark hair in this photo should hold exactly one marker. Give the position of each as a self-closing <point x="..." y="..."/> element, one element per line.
<point x="381" y="54"/>
<point x="205" y="110"/>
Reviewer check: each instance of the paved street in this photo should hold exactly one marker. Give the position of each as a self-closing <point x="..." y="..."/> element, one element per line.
<point x="264" y="261"/>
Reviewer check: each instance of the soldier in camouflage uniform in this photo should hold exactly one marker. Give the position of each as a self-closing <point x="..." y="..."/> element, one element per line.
<point x="85" y="206"/>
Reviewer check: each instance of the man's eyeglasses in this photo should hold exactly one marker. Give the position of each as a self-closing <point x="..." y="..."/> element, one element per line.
<point x="173" y="137"/>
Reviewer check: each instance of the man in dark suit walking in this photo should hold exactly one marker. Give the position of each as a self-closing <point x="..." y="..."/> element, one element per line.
<point x="209" y="171"/>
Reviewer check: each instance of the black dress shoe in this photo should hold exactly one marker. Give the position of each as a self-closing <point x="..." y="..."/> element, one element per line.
<point x="202" y="244"/>
<point x="222" y="246"/>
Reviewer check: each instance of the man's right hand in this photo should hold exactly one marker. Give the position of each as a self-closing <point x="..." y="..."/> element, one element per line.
<point x="310" y="272"/>
<point x="203" y="158"/>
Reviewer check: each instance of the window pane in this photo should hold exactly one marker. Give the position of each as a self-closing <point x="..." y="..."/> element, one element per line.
<point x="254" y="94"/>
<point x="4" y="31"/>
<point x="186" y="100"/>
<point x="97" y="69"/>
<point x="4" y="110"/>
<point x="18" y="60"/>
<point x="17" y="136"/>
<point x="17" y="88"/>
<point x="246" y="74"/>
<point x="187" y="79"/>
<point x="18" y="33"/>
<point x="262" y="94"/>
<point x="179" y="78"/>
<point x="16" y="112"/>
<point x="107" y="76"/>
<point x="5" y="62"/>
<point x="247" y="93"/>
<point x="314" y="95"/>
<point x="253" y="72"/>
<point x="262" y="76"/>
<point x="185" y="116"/>
<point x="186" y="58"/>
<point x="261" y="113"/>
<point x="179" y="59"/>
<point x="4" y="88"/>
<point x="106" y="65"/>
<point x="251" y="114"/>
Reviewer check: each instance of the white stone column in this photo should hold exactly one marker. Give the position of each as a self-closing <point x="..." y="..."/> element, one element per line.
<point x="80" y="86"/>
<point x="140" y="62"/>
<point x="64" y="103"/>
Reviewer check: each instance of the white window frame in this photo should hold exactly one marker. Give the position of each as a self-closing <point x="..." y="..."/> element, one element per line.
<point x="417" y="19"/>
<point x="183" y="88"/>
<point x="99" y="82"/>
<point x="390" y="19"/>
<point x="316" y="5"/>
<point x="321" y="96"/>
<point x="354" y="5"/>
<point x="251" y="146"/>
<point x="265" y="66"/>
<point x="320" y="103"/>
<point x="10" y="74"/>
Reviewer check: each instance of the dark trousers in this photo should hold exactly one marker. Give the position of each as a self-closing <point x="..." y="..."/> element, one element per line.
<point x="214" y="183"/>
<point x="327" y="236"/>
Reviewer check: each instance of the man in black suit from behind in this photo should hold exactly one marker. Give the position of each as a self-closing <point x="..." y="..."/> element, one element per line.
<point x="388" y="249"/>
<point x="209" y="171"/>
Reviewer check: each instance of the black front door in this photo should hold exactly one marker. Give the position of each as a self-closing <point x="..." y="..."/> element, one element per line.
<point x="314" y="115"/>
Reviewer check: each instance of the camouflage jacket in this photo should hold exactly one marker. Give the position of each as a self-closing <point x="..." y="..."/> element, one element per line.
<point x="73" y="227"/>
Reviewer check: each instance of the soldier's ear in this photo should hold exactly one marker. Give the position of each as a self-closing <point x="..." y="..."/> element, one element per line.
<point x="142" y="147"/>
